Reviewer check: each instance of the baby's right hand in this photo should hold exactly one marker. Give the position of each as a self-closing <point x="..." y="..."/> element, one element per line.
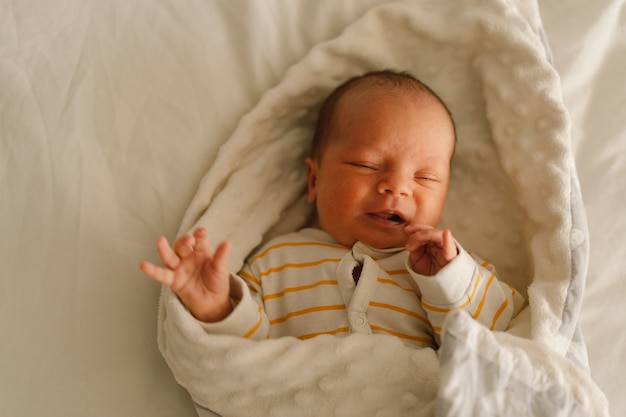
<point x="199" y="277"/>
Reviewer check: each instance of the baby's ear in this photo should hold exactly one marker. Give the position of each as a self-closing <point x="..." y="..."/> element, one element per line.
<point x="311" y="176"/>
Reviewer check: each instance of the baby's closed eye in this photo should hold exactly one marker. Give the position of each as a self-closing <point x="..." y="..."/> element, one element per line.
<point x="426" y="176"/>
<point x="365" y="165"/>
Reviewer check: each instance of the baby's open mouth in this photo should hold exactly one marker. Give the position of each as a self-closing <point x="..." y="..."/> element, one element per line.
<point x="390" y="217"/>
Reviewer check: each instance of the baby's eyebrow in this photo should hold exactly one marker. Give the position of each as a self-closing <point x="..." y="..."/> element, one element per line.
<point x="436" y="161"/>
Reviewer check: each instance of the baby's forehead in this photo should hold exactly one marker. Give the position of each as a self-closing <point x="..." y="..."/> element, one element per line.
<point x="342" y="105"/>
<point x="363" y="102"/>
<point x="366" y="97"/>
<point x="366" y="91"/>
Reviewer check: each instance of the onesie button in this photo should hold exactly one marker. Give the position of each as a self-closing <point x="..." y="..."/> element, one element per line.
<point x="359" y="320"/>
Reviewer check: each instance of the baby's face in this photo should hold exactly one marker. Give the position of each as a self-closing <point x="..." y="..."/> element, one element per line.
<point x="386" y="165"/>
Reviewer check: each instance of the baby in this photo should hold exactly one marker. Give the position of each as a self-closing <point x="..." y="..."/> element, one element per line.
<point x="376" y="262"/>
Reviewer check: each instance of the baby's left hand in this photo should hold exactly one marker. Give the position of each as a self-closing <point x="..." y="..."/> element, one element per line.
<point x="429" y="249"/>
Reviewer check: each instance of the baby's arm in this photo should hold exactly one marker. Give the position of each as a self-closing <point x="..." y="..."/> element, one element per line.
<point x="199" y="277"/>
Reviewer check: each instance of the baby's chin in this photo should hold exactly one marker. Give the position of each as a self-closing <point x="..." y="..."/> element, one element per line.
<point x="376" y="242"/>
<point x="386" y="245"/>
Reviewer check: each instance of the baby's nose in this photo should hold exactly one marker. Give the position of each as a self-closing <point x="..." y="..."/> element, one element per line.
<point x="395" y="185"/>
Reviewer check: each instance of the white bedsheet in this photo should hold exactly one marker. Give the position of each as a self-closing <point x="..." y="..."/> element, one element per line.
<point x="110" y="112"/>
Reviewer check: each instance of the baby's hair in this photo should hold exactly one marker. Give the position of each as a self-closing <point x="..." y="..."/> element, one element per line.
<point x="386" y="78"/>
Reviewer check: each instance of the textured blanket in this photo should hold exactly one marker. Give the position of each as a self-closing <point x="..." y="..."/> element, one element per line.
<point x="514" y="199"/>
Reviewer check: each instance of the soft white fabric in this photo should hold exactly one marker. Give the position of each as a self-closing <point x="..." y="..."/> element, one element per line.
<point x="487" y="373"/>
<point x="286" y="377"/>
<point x="513" y="184"/>
<point x="110" y="114"/>
<point x="590" y="55"/>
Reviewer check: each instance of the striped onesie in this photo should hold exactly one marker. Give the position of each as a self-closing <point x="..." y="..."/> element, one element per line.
<point x="302" y="285"/>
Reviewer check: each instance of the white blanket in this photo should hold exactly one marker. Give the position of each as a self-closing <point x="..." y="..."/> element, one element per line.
<point x="514" y="199"/>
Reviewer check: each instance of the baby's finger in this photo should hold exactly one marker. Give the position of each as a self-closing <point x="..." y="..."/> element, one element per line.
<point x="450" y="251"/>
<point x="415" y="227"/>
<point x="221" y="257"/>
<point x="184" y="246"/>
<point x="423" y="237"/>
<point x="162" y="275"/>
<point x="216" y="269"/>
<point x="168" y="257"/>
<point x="202" y="243"/>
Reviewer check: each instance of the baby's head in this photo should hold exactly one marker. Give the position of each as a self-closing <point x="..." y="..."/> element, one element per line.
<point x="380" y="159"/>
